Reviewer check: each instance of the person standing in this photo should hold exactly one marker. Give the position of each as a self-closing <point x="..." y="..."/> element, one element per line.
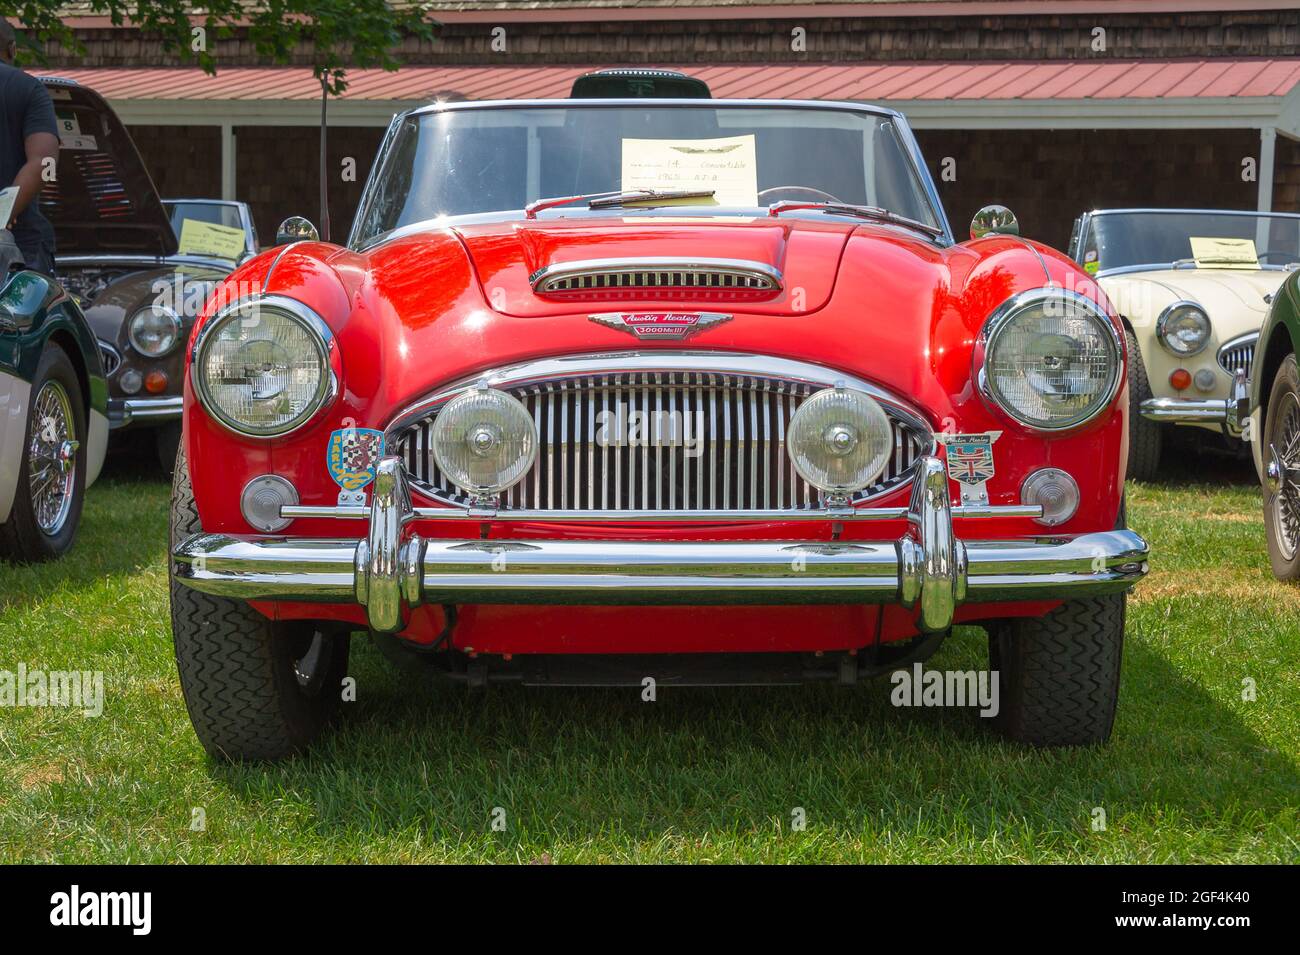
<point x="29" y="143"/>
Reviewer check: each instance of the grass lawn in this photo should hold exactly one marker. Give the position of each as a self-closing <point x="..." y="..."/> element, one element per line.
<point x="416" y="770"/>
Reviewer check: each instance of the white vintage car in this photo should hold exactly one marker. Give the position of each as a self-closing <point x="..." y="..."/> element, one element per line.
<point x="1193" y="287"/>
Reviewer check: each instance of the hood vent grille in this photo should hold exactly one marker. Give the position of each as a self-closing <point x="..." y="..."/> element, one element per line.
<point x="654" y="274"/>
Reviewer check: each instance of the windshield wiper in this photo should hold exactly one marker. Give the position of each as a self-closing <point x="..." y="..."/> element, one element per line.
<point x="608" y="200"/>
<point x="849" y="209"/>
<point x="1193" y="263"/>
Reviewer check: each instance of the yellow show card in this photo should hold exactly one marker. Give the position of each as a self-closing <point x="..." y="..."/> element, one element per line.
<point x="1224" y="253"/>
<point x="208" y="238"/>
<point x="727" y="166"/>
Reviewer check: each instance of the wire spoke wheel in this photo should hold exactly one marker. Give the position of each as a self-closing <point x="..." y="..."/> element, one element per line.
<point x="1286" y="502"/>
<point x="52" y="457"/>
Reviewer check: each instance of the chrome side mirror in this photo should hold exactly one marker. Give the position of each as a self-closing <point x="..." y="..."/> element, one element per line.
<point x="296" y="229"/>
<point x="996" y="220"/>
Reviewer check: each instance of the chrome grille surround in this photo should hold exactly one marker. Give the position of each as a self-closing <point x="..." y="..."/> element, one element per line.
<point x="110" y="357"/>
<point x="743" y="401"/>
<point x="1236" y="355"/>
<point x="656" y="274"/>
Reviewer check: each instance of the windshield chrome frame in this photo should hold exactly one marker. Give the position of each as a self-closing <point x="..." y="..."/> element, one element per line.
<point x="913" y="150"/>
<point x="1085" y="224"/>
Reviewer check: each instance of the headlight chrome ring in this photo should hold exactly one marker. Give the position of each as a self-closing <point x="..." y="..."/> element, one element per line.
<point x="1172" y="325"/>
<point x="154" y="330"/>
<point x="270" y="375"/>
<point x="1066" y="369"/>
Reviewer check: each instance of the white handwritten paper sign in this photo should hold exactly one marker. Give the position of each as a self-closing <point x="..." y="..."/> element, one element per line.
<point x="727" y="166"/>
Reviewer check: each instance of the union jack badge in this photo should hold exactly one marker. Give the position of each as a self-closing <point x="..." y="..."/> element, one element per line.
<point x="970" y="457"/>
<point x="352" y="457"/>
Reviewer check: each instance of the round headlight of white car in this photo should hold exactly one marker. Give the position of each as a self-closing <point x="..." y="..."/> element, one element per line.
<point x="154" y="330"/>
<point x="1051" y="358"/>
<point x="1183" y="328"/>
<point x="839" y="440"/>
<point x="262" y="367"/>
<point x="484" y="441"/>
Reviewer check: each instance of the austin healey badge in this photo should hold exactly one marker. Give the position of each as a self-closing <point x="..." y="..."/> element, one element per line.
<point x="672" y="326"/>
<point x="970" y="462"/>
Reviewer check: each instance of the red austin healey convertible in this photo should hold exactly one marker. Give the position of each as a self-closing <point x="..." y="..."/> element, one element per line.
<point x="696" y="390"/>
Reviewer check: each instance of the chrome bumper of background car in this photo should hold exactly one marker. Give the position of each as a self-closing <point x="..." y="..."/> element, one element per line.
<point x="124" y="411"/>
<point x="928" y="568"/>
<point x="1192" y="411"/>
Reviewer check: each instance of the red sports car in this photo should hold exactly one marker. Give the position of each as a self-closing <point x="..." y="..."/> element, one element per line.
<point x="610" y="391"/>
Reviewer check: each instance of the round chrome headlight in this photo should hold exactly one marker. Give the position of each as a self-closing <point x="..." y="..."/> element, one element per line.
<point x="154" y="330"/>
<point x="839" y="440"/>
<point x="262" y="367"/>
<point x="1051" y="358"/>
<point x="1183" y="328"/>
<point x="484" y="441"/>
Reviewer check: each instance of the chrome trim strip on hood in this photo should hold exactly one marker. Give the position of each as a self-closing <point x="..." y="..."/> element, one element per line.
<point x="747" y="276"/>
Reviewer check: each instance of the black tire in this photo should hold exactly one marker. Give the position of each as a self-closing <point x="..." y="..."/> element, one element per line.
<point x="21" y="536"/>
<point x="167" y="440"/>
<point x="238" y="669"/>
<point x="1144" y="437"/>
<point x="1282" y="509"/>
<point x="1058" y="675"/>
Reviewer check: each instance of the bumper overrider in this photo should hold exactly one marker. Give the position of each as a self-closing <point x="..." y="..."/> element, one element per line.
<point x="144" y="410"/>
<point x="1221" y="411"/>
<point x="928" y="568"/>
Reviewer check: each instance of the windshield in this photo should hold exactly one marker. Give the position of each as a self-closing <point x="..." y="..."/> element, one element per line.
<point x="1189" y="240"/>
<point x="209" y="228"/>
<point x="215" y="213"/>
<point x="475" y="161"/>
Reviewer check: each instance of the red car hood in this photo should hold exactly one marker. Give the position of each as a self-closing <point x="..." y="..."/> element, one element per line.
<point x="806" y="254"/>
<point x="435" y="306"/>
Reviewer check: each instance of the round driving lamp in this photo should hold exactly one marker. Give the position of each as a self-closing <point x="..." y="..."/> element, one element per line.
<point x="262" y="367"/>
<point x="839" y="440"/>
<point x="484" y="441"/>
<point x="154" y="330"/>
<point x="1183" y="329"/>
<point x="1050" y="358"/>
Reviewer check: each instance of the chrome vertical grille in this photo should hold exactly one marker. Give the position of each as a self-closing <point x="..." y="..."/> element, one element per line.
<point x="659" y="440"/>
<point x="1237" y="354"/>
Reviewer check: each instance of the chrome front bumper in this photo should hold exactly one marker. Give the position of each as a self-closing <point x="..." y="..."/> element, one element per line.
<point x="158" y="410"/>
<point x="1193" y="411"/>
<point x="927" y="568"/>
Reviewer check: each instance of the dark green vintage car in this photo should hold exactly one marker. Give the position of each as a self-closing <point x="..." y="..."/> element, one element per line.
<point x="53" y="415"/>
<point x="1268" y="404"/>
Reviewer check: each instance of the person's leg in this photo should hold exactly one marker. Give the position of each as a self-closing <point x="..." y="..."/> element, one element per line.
<point x="38" y="257"/>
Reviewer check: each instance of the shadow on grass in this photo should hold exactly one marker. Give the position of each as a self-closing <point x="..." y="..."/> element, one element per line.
<point x="568" y="764"/>
<point x="123" y="528"/>
<point x="1185" y="461"/>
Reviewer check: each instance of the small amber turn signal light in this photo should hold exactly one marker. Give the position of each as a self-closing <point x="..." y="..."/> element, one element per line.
<point x="155" y="382"/>
<point x="1180" y="379"/>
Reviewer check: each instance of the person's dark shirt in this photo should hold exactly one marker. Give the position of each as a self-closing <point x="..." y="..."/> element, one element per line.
<point x="27" y="110"/>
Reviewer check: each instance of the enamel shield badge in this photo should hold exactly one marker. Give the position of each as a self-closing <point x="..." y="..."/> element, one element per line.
<point x="353" y="455"/>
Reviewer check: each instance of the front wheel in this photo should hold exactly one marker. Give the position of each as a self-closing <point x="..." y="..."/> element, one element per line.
<point x="1282" y="473"/>
<point x="52" y="471"/>
<point x="167" y="441"/>
<point x="1058" y="675"/>
<point x="1145" y="438"/>
<point x="255" y="689"/>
